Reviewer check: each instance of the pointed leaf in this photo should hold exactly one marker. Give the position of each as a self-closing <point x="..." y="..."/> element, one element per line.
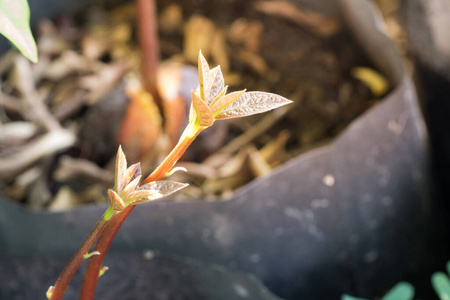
<point x="203" y="71"/>
<point x="252" y="103"/>
<point x="208" y="83"/>
<point x="115" y="201"/>
<point x="132" y="172"/>
<point x="121" y="169"/>
<point x="217" y="86"/>
<point x="201" y="111"/>
<point x="161" y="189"/>
<point x="218" y="96"/>
<point x="222" y="103"/>
<point x="131" y="187"/>
<point x="15" y="26"/>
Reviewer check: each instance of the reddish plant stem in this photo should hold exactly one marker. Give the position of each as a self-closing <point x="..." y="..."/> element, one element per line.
<point x="171" y="159"/>
<point x="148" y="41"/>
<point x="95" y="263"/>
<point x="74" y="263"/>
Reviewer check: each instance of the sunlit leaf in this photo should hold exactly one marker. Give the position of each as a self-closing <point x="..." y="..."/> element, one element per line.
<point x="115" y="201"/>
<point x="158" y="189"/>
<point x="121" y="169"/>
<point x="441" y="284"/>
<point x="208" y="83"/>
<point x="15" y="26"/>
<point x="137" y="196"/>
<point x="219" y="96"/>
<point x="217" y="84"/>
<point x="223" y="102"/>
<point x="132" y="172"/>
<point x="251" y="103"/>
<point x="401" y="291"/>
<point x="131" y="186"/>
<point x="203" y="72"/>
<point x="201" y="110"/>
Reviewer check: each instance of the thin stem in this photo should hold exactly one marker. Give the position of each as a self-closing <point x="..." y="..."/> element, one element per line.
<point x="171" y="159"/>
<point x="148" y="40"/>
<point x="95" y="263"/>
<point x="74" y="263"/>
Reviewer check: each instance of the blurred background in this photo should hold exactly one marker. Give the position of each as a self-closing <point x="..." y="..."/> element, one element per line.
<point x="121" y="72"/>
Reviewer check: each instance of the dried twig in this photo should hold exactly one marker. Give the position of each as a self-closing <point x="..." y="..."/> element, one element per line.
<point x="314" y="22"/>
<point x="41" y="147"/>
<point x="36" y="110"/>
<point x="71" y="168"/>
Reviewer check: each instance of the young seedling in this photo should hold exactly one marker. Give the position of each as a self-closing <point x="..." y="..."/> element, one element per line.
<point x="210" y="102"/>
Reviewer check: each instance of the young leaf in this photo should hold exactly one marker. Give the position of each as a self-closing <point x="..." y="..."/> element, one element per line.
<point x="121" y="170"/>
<point x="203" y="72"/>
<point x="15" y="26"/>
<point x="158" y="189"/>
<point x="103" y="271"/>
<point x="50" y="292"/>
<point x="115" y="201"/>
<point x="219" y="96"/>
<point x="137" y="196"/>
<point x="217" y="84"/>
<point x="401" y="291"/>
<point x="221" y="103"/>
<point x="132" y="172"/>
<point x="202" y="113"/>
<point x="251" y="103"/>
<point x="208" y="83"/>
<point x="131" y="186"/>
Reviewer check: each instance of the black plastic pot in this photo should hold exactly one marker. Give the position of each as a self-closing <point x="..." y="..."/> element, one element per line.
<point x="426" y="24"/>
<point x="351" y="217"/>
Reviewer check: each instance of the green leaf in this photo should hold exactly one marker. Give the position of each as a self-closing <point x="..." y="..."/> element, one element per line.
<point x="50" y="292"/>
<point x="448" y="267"/>
<point x="348" y="297"/>
<point x="15" y="26"/>
<point x="441" y="284"/>
<point x="252" y="103"/>
<point x="401" y="291"/>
